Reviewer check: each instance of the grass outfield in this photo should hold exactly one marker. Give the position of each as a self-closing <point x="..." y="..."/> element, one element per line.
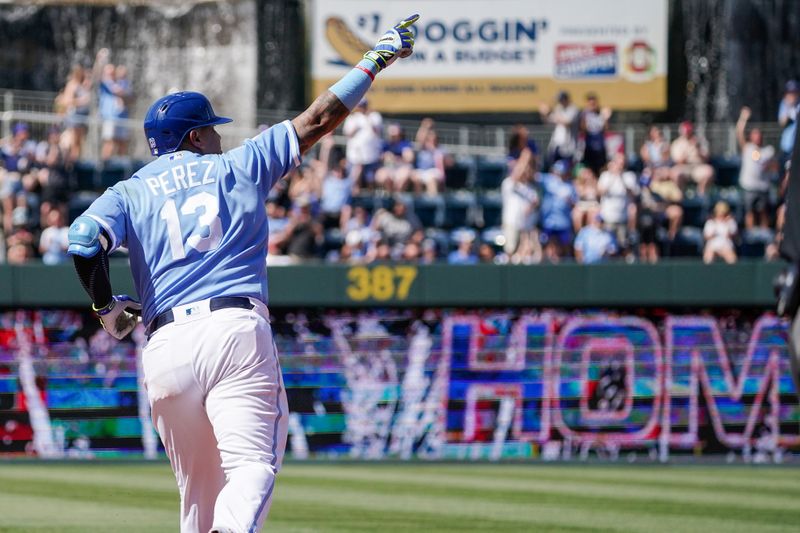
<point x="98" y="497"/>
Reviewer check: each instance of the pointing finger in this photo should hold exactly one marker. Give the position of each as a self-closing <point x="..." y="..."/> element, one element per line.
<point x="409" y="21"/>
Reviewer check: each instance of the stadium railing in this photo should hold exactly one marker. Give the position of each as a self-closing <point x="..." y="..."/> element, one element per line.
<point x="467" y="140"/>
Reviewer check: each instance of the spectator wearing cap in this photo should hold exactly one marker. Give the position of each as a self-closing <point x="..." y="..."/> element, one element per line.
<point x="464" y="254"/>
<point x="558" y="199"/>
<point x="18" y="151"/>
<point x="363" y="129"/>
<point x="594" y="244"/>
<point x="618" y="189"/>
<point x="689" y="153"/>
<point x="519" y="201"/>
<point x="593" y="126"/>
<point x="351" y="252"/>
<point x="397" y="161"/>
<point x="719" y="231"/>
<point x="565" y="116"/>
<point x="755" y="177"/>
<point x="787" y="118"/>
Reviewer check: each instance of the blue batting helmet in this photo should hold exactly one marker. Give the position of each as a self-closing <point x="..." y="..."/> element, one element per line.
<point x="170" y="118"/>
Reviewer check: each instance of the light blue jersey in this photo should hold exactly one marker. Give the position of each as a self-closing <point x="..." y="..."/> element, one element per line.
<point x="195" y="225"/>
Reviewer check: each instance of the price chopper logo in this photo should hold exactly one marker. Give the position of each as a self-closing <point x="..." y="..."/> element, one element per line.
<point x="586" y="61"/>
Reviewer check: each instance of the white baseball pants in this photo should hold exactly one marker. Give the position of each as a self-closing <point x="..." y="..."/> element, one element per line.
<point x="218" y="403"/>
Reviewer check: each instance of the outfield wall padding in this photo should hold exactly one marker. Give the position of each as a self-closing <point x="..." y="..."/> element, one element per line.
<point x="666" y="284"/>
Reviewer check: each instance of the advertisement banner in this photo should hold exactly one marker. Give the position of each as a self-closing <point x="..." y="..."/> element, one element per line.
<point x="439" y="384"/>
<point x="500" y="56"/>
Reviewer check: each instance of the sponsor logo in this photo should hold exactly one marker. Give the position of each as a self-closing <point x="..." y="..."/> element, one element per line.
<point x="639" y="63"/>
<point x="586" y="61"/>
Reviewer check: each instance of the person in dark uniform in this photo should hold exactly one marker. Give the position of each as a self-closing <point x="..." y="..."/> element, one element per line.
<point x="787" y="284"/>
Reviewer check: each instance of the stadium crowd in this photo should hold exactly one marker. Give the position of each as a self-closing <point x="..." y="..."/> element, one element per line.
<point x="387" y="196"/>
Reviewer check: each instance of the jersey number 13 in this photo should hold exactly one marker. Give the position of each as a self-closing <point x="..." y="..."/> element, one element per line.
<point x="208" y="219"/>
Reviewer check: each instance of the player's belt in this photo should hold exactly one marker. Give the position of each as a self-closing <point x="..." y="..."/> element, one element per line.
<point x="215" y="304"/>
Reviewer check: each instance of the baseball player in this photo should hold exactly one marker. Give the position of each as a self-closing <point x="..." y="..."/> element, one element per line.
<point x="194" y="223"/>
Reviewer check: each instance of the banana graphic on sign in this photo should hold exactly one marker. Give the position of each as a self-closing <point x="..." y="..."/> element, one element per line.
<point x="344" y="41"/>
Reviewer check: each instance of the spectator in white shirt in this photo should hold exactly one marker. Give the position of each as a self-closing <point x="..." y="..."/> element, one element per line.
<point x="754" y="175"/>
<point x="363" y="129"/>
<point x="565" y="117"/>
<point x="718" y="233"/>
<point x="618" y="188"/>
<point x="54" y="241"/>
<point x="689" y="153"/>
<point x="519" y="215"/>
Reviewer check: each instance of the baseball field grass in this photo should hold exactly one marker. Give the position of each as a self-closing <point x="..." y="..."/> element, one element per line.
<point x="113" y="497"/>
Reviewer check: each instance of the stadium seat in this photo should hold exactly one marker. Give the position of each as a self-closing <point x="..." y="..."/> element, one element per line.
<point x="367" y="201"/>
<point x="688" y="243"/>
<point x="491" y="210"/>
<point x="381" y="202"/>
<point x="726" y="171"/>
<point x="78" y="203"/>
<point x="428" y="210"/>
<point x="440" y="237"/>
<point x="456" y="176"/>
<point x="333" y="241"/>
<point x="695" y="212"/>
<point x="490" y="173"/>
<point x="494" y="237"/>
<point x="458" y="209"/>
<point x="754" y="242"/>
<point x="85" y="175"/>
<point x="113" y="171"/>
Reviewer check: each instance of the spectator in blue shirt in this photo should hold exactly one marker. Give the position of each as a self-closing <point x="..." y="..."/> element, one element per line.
<point x="114" y="95"/>
<point x="594" y="244"/>
<point x="787" y="118"/>
<point x="558" y="198"/>
<point x="464" y="254"/>
<point x="337" y="189"/>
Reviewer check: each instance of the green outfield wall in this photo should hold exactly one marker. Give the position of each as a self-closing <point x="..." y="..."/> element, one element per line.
<point x="667" y="284"/>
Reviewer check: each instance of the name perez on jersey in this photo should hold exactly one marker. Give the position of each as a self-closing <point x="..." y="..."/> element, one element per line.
<point x="181" y="177"/>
